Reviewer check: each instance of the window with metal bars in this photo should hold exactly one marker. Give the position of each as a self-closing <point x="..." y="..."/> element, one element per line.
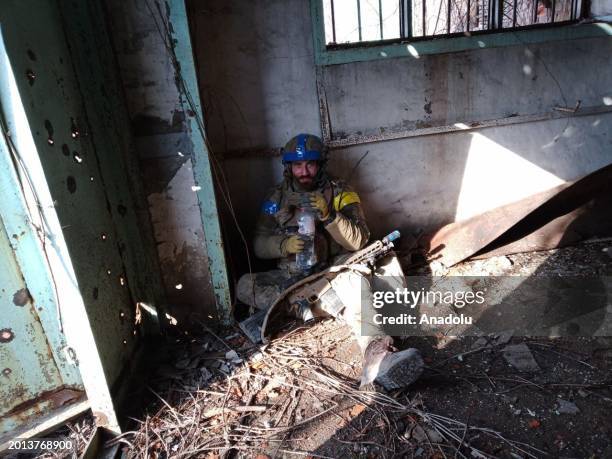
<point x="365" y="21"/>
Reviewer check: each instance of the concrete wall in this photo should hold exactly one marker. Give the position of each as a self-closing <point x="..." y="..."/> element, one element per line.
<point x="164" y="150"/>
<point x="258" y="81"/>
<point x="602" y="9"/>
<point x="258" y="85"/>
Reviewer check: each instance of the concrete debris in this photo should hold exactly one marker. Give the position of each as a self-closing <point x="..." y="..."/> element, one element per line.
<point x="205" y="375"/>
<point x="566" y="407"/>
<point x="493" y="340"/>
<point x="438" y="268"/>
<point x="480" y="342"/>
<point x="233" y="356"/>
<point x="495" y="266"/>
<point x="520" y="357"/>
<point x="503" y="337"/>
<point x="225" y="368"/>
<point x="425" y="435"/>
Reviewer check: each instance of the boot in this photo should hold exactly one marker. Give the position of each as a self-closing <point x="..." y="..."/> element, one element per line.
<point x="385" y="366"/>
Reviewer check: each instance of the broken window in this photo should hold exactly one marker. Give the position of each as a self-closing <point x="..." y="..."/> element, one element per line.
<point x="359" y="21"/>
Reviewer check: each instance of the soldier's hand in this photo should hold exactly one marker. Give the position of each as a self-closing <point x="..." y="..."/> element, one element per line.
<point x="296" y="199"/>
<point x="292" y="245"/>
<point x="319" y="203"/>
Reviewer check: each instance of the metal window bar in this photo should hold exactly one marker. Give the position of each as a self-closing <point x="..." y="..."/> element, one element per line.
<point x="333" y="19"/>
<point x="359" y="19"/>
<point x="380" y="18"/>
<point x="405" y="8"/>
<point x="467" y="25"/>
<point x="491" y="21"/>
<point x="552" y="11"/>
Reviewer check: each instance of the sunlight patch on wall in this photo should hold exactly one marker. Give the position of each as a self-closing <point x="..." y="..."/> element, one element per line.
<point x="495" y="176"/>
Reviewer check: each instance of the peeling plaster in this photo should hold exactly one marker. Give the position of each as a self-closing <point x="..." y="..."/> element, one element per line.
<point x="178" y="227"/>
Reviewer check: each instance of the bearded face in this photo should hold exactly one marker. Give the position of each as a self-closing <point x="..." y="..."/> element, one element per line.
<point x="304" y="173"/>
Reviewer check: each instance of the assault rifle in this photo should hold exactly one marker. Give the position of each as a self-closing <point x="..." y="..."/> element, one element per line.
<point x="299" y="299"/>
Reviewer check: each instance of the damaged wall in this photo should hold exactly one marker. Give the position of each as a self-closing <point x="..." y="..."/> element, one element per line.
<point x="159" y="125"/>
<point x="64" y="113"/>
<point x="257" y="77"/>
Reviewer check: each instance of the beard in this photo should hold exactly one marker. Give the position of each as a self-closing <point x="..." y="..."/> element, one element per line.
<point x="304" y="183"/>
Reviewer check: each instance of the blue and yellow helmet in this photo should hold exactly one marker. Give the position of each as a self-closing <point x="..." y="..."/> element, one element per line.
<point x="303" y="147"/>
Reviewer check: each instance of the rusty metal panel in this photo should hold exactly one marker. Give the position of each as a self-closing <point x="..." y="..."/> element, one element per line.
<point x="562" y="215"/>
<point x="28" y="368"/>
<point x="69" y="213"/>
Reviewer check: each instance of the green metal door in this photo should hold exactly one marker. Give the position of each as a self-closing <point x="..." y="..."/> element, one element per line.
<point x="32" y="383"/>
<point x="40" y="382"/>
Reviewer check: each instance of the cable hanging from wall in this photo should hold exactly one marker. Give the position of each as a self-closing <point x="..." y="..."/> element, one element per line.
<point x="217" y="169"/>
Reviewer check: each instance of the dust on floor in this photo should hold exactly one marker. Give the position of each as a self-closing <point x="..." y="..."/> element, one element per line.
<point x="489" y="396"/>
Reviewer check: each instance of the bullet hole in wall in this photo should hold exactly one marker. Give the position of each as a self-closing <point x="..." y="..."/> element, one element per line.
<point x="21" y="297"/>
<point x="91" y="179"/>
<point x="49" y="128"/>
<point x="77" y="158"/>
<point x="6" y="335"/>
<point x="74" y="129"/>
<point x="65" y="150"/>
<point x="103" y="236"/>
<point x="122" y="281"/>
<point x="7" y="372"/>
<point x="30" y="76"/>
<point x="71" y="184"/>
<point x="108" y="271"/>
<point x="124" y="341"/>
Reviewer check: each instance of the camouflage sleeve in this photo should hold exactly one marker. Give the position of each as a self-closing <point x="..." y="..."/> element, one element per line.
<point x="348" y="227"/>
<point x="268" y="241"/>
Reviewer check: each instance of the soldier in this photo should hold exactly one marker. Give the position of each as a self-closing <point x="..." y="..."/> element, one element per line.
<point x="341" y="229"/>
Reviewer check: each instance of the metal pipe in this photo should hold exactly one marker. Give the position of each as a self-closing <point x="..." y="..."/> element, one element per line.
<point x="514" y="13"/>
<point x="448" y="17"/>
<point x="469" y="6"/>
<point x="424" y="18"/>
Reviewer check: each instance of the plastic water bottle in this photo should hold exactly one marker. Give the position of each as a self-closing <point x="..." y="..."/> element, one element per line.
<point x="307" y="258"/>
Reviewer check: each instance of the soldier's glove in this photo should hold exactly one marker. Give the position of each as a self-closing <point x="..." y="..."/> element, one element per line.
<point x="319" y="204"/>
<point x="292" y="245"/>
<point x="296" y="199"/>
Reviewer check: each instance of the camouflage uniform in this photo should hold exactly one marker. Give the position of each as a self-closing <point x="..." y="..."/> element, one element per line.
<point x="343" y="232"/>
